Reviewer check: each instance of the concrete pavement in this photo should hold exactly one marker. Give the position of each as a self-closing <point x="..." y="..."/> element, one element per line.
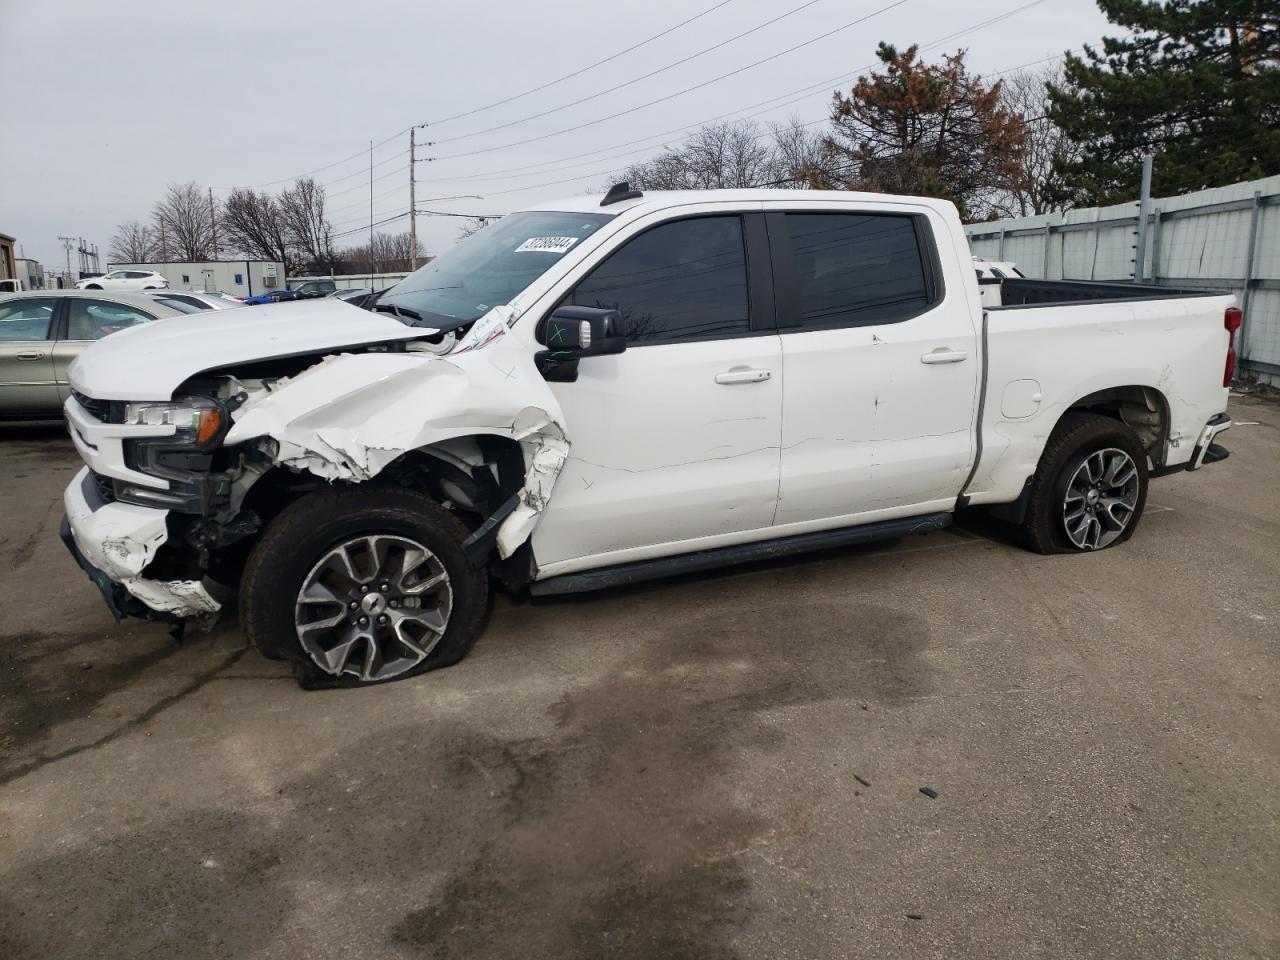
<point x="724" y="766"/>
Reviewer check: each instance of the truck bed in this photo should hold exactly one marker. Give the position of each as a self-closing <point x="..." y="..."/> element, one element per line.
<point x="1022" y="292"/>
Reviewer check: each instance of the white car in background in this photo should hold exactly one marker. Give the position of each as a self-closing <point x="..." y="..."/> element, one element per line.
<point x="991" y="276"/>
<point x="121" y="281"/>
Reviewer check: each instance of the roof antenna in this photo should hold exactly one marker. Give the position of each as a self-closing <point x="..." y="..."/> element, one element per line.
<point x="619" y="192"/>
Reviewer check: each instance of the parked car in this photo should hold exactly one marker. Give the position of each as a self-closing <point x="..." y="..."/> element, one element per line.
<point x="990" y="275"/>
<point x="350" y="294"/>
<point x="997" y="269"/>
<point x="310" y="289"/>
<point x="120" y="281"/>
<point x="42" y="331"/>
<point x="591" y="393"/>
<point x="188" y="301"/>
<point x="12" y="285"/>
<point x="364" y="297"/>
<point x="271" y="296"/>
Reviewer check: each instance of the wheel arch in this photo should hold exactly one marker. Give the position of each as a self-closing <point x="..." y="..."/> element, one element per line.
<point x="1143" y="408"/>
<point x="470" y="475"/>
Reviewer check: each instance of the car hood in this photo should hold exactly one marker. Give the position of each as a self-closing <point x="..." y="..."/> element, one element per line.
<point x="148" y="362"/>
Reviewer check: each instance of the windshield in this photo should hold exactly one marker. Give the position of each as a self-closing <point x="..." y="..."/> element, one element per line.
<point x="490" y="267"/>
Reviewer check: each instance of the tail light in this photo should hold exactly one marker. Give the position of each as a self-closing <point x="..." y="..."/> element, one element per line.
<point x="1232" y="318"/>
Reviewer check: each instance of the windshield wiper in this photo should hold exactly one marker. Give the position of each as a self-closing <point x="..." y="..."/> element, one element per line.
<point x="400" y="312"/>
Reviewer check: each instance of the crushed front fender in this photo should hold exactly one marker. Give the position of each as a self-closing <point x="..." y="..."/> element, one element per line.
<point x="351" y="415"/>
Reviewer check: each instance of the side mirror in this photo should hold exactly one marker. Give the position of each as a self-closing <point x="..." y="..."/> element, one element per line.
<point x="572" y="333"/>
<point x="586" y="331"/>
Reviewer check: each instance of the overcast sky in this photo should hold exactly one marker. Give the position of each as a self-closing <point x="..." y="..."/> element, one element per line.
<point x="105" y="104"/>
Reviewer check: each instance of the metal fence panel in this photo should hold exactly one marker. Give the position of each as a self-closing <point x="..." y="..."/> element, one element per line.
<point x="1226" y="237"/>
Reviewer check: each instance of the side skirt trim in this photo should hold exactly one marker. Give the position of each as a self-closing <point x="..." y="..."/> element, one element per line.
<point x="624" y="574"/>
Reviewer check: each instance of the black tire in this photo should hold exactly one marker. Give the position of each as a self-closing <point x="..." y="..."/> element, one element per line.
<point x="312" y="526"/>
<point x="1076" y="438"/>
<point x="92" y="286"/>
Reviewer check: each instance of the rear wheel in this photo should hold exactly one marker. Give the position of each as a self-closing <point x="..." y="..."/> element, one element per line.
<point x="362" y="586"/>
<point x="1090" y="489"/>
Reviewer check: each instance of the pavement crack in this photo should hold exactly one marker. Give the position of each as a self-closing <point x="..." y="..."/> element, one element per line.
<point x="164" y="703"/>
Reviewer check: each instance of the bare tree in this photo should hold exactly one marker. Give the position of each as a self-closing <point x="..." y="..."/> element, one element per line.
<point x="1038" y="186"/>
<point x="740" y="153"/>
<point x="133" y="243"/>
<point x="308" y="227"/>
<point x="715" y="156"/>
<point x="254" y="224"/>
<point x="185" y="218"/>
<point x="801" y="153"/>
<point x="390" y="254"/>
<point x="472" y="226"/>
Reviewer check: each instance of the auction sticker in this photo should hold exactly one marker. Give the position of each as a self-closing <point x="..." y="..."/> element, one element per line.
<point x="547" y="245"/>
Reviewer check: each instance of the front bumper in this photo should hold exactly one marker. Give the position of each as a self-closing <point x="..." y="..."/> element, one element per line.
<point x="114" y="543"/>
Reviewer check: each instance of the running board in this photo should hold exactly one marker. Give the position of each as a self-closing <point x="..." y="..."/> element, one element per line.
<point x="625" y="574"/>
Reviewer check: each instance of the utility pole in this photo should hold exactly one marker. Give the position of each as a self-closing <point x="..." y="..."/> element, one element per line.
<point x="371" y="213"/>
<point x="413" y="203"/>
<point x="66" y="245"/>
<point x="213" y="222"/>
<point x="1144" y="211"/>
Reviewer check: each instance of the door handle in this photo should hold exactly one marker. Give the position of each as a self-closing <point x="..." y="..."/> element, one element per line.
<point x="743" y="375"/>
<point x="943" y="355"/>
<point x="31" y="355"/>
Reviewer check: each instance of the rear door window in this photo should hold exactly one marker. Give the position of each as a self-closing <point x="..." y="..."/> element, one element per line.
<point x="26" y="319"/>
<point x="854" y="269"/>
<point x="95" y="319"/>
<point x="183" y="304"/>
<point x="679" y="281"/>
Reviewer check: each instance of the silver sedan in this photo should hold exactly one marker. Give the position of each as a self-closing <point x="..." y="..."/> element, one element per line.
<point x="42" y="331"/>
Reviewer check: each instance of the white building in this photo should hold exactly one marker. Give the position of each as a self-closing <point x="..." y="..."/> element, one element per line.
<point x="238" y="278"/>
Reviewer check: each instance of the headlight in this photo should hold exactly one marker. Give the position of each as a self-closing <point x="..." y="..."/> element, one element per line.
<point x="198" y="421"/>
<point x="183" y="459"/>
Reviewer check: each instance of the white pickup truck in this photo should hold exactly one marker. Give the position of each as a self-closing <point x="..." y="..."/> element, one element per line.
<point x="598" y="392"/>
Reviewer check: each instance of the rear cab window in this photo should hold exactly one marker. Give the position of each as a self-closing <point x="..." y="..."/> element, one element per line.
<point x="852" y="269"/>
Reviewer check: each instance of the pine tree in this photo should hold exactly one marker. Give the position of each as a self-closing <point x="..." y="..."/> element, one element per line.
<point x="926" y="129"/>
<point x="1196" y="83"/>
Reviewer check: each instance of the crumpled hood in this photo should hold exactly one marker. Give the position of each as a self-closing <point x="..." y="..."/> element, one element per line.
<point x="149" y="361"/>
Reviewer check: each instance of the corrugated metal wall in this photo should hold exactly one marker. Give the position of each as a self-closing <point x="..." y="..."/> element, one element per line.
<point x="1200" y="239"/>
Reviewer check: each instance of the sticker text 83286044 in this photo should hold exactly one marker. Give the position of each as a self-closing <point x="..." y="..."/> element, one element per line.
<point x="547" y="245"/>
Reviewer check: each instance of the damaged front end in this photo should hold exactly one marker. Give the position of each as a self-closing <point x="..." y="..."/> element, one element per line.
<point x="170" y="499"/>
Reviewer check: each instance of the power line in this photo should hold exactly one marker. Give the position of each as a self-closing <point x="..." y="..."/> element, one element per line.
<point x="796" y="95"/>
<point x="697" y="86"/>
<point x="626" y="83"/>
<point x="361" y="173"/>
<point x="773" y="101"/>
<point x="466" y="113"/>
<point x="363" y="152"/>
<point x="582" y="70"/>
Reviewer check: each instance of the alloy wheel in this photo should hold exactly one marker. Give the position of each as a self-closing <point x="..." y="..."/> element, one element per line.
<point x="1100" y="499"/>
<point x="373" y="607"/>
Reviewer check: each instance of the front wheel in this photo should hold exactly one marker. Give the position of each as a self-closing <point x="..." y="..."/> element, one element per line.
<point x="1090" y="488"/>
<point x="362" y="586"/>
